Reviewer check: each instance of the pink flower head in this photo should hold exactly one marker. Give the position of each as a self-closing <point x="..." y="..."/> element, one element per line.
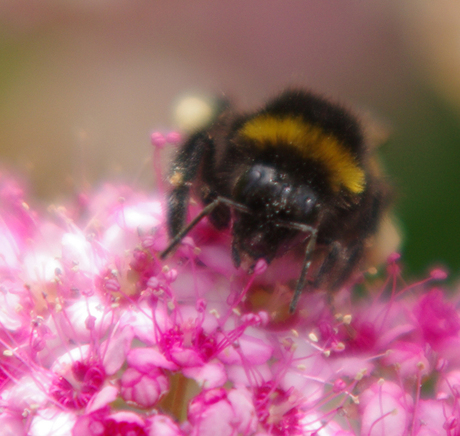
<point x="143" y="389"/>
<point x="438" y="318"/>
<point x="224" y="413"/>
<point x="385" y="409"/>
<point x="278" y="411"/>
<point x="102" y="423"/>
<point x="99" y="336"/>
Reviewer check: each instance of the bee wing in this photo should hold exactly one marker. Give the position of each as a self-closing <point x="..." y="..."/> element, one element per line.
<point x="387" y="240"/>
<point x="376" y="130"/>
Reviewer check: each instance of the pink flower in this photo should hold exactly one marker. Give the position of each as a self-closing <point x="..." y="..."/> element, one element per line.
<point x="100" y="337"/>
<point x="385" y="409"/>
<point x="224" y="413"/>
<point x="438" y="318"/>
<point x="435" y="417"/>
<point x="102" y="423"/>
<point x="144" y="389"/>
<point x="12" y="425"/>
<point x="52" y="422"/>
<point x="163" y="425"/>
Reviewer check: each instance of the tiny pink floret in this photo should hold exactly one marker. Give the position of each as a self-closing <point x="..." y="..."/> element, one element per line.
<point x="173" y="138"/>
<point x="158" y="139"/>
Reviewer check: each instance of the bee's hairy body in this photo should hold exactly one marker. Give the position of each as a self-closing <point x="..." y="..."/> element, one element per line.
<point x="297" y="171"/>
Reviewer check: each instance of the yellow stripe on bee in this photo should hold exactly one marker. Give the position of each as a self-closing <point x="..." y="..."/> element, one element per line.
<point x="312" y="143"/>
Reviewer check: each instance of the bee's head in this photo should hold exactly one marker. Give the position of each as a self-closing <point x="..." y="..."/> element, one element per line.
<point x="273" y="199"/>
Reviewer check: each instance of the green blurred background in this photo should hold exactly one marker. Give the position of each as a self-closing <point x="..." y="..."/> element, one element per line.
<point x="82" y="84"/>
<point x="424" y="157"/>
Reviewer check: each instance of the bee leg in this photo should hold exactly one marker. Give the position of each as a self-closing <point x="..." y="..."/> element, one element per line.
<point x="205" y="211"/>
<point x="179" y="236"/>
<point x="220" y="217"/>
<point x="303" y="274"/>
<point x="338" y="265"/>
<point x="352" y="259"/>
<point x="184" y="170"/>
<point x="235" y="255"/>
<point x="177" y="209"/>
<point x="330" y="262"/>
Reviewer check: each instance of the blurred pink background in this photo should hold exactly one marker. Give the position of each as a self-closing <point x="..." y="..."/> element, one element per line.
<point x="84" y="82"/>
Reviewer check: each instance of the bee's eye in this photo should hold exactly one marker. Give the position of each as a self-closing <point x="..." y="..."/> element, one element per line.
<point x="309" y="204"/>
<point x="250" y="181"/>
<point x="306" y="200"/>
<point x="258" y="179"/>
<point x="254" y="175"/>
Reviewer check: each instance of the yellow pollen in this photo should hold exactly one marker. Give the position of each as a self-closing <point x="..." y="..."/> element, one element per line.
<point x="177" y="179"/>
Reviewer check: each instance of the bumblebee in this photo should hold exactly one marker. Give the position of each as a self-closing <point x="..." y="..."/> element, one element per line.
<point x="295" y="173"/>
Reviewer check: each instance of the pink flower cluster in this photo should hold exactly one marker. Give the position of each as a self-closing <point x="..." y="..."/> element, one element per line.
<point x="99" y="337"/>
